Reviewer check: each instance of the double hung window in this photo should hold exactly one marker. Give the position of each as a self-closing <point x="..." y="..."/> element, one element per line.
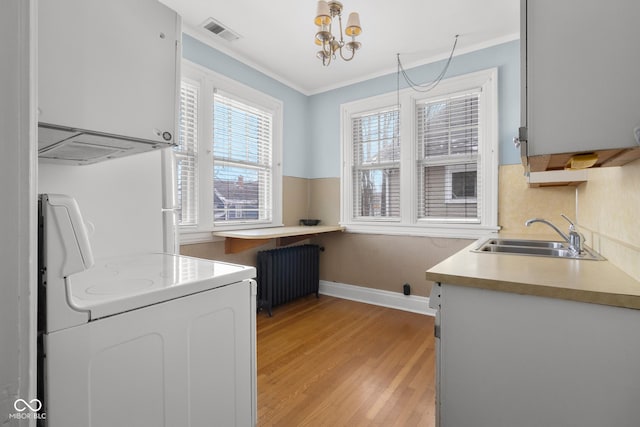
<point x="376" y="170"/>
<point x="242" y="161"/>
<point x="423" y="163"/>
<point x="447" y="152"/>
<point x="228" y="156"/>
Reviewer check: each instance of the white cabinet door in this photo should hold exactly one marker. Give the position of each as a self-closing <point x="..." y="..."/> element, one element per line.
<point x="582" y="74"/>
<point x="187" y="362"/>
<point x="109" y="66"/>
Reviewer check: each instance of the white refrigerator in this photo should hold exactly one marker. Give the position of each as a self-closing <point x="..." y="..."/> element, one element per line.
<point x="129" y="332"/>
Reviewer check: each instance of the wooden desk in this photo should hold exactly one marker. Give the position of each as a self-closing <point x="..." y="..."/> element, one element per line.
<point x="241" y="240"/>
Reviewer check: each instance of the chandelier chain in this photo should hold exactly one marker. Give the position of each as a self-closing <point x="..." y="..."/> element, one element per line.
<point x="425" y="87"/>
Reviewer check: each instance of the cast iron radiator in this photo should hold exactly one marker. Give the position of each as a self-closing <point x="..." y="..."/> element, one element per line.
<point x="286" y="274"/>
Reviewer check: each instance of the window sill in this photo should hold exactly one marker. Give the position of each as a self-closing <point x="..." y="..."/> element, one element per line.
<point x="458" y="231"/>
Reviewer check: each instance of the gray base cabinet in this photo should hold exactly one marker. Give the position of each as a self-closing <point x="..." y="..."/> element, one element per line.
<point x="523" y="361"/>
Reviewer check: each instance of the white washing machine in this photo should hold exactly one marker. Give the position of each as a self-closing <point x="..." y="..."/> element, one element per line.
<point x="141" y="340"/>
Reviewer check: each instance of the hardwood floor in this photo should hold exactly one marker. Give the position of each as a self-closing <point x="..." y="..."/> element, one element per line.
<point x="334" y="362"/>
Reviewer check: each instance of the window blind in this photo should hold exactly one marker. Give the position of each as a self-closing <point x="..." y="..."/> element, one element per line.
<point x="376" y="164"/>
<point x="186" y="154"/>
<point x="242" y="160"/>
<point x="449" y="177"/>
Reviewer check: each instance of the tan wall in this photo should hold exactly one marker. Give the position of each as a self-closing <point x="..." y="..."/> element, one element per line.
<point x="371" y="260"/>
<point x="608" y="213"/>
<point x="325" y="200"/>
<point x="387" y="262"/>
<point x="608" y="208"/>
<point x="295" y="200"/>
<point x="381" y="261"/>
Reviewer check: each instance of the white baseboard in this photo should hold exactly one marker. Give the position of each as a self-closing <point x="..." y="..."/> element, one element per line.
<point x="412" y="303"/>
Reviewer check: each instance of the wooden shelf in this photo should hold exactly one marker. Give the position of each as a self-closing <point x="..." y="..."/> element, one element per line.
<point x="241" y="240"/>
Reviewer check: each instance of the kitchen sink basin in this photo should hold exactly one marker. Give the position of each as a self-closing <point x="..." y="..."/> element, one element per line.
<point x="546" y="248"/>
<point x="527" y="243"/>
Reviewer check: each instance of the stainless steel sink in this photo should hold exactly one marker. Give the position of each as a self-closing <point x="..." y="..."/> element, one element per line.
<point x="527" y="243"/>
<point x="546" y="248"/>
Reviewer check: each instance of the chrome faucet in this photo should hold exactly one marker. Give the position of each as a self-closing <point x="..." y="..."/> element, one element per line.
<point x="574" y="239"/>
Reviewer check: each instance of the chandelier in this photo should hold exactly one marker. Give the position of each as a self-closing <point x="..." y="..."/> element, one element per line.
<point x="330" y="44"/>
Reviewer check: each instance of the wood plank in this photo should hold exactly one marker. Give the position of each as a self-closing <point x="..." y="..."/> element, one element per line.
<point x="330" y="361"/>
<point x="275" y="232"/>
<point x="241" y="240"/>
<point x="290" y="240"/>
<point x="233" y="246"/>
<point x="606" y="158"/>
<point x="624" y="157"/>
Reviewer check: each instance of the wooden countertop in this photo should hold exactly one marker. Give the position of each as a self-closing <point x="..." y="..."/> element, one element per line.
<point x="240" y="240"/>
<point x="598" y="282"/>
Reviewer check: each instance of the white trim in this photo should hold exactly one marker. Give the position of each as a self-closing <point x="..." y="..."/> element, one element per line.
<point x="460" y="231"/>
<point x="208" y="80"/>
<point x="201" y="36"/>
<point x="411" y="303"/>
<point x="413" y="64"/>
<point x="408" y="223"/>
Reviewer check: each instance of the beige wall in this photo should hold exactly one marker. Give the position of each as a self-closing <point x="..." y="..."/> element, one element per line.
<point x="371" y="260"/>
<point x="295" y="200"/>
<point x="606" y="207"/>
<point x="383" y="262"/>
<point x="387" y="262"/>
<point x="325" y="200"/>
<point x="518" y="203"/>
<point x="607" y="210"/>
<point x="609" y="213"/>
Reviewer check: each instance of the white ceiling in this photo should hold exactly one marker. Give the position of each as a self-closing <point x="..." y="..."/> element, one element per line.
<point x="276" y="37"/>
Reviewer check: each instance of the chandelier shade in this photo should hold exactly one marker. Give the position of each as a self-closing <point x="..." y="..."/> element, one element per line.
<point x="323" y="16"/>
<point x="353" y="25"/>
<point x="331" y="44"/>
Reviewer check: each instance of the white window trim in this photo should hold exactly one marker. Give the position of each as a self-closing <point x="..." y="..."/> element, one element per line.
<point x="209" y="80"/>
<point x="409" y="224"/>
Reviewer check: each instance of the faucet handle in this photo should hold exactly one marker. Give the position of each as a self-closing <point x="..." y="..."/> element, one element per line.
<point x="572" y="226"/>
<point x="576" y="239"/>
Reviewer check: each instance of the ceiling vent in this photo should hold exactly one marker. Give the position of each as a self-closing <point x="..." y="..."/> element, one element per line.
<point x="216" y="29"/>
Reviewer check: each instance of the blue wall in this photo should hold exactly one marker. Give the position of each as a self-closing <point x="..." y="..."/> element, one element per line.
<point x="325" y="107"/>
<point x="295" y="157"/>
<point x="312" y="123"/>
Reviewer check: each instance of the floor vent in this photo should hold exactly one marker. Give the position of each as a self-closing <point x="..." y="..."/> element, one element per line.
<point x="219" y="30"/>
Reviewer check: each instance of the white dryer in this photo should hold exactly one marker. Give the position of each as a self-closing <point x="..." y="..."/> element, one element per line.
<point x="141" y="340"/>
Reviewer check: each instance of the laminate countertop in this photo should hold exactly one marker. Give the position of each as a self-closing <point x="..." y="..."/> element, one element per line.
<point x="598" y="282"/>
